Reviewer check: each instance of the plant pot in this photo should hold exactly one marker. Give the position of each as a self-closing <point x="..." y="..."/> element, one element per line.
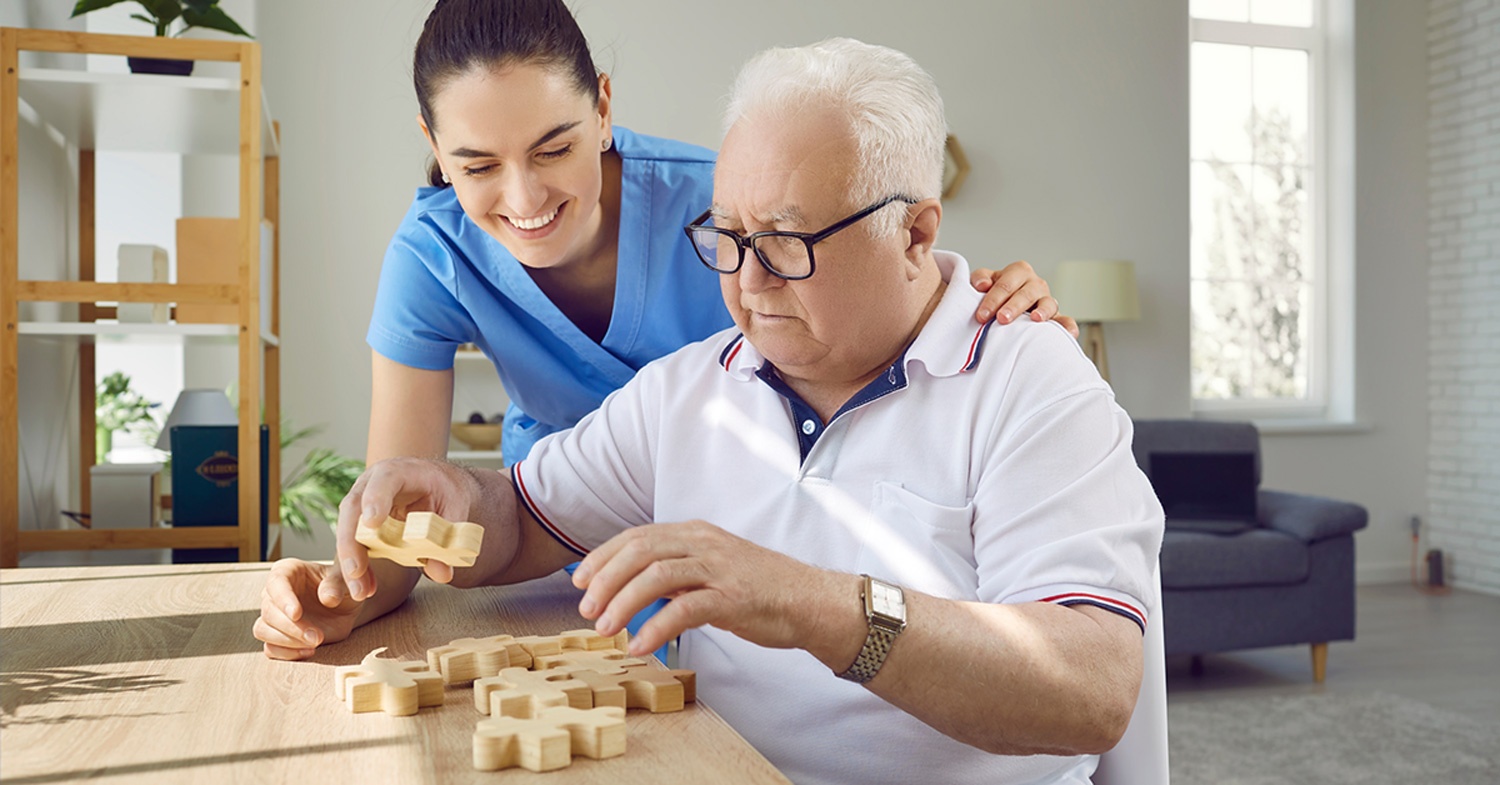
<point x="157" y="65"/>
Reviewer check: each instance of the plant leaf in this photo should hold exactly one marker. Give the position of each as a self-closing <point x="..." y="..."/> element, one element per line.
<point x="85" y="6"/>
<point x="214" y="18"/>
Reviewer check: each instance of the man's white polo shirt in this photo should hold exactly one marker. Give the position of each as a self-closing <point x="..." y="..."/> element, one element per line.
<point x="989" y="463"/>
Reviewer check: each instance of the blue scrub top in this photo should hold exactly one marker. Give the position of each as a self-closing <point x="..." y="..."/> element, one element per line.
<point x="445" y="282"/>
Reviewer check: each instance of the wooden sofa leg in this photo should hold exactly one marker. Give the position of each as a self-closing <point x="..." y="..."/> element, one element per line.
<point x="1319" y="661"/>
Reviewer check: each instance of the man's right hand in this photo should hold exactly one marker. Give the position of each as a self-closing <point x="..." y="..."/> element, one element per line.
<point x="392" y="488"/>
<point x="303" y="606"/>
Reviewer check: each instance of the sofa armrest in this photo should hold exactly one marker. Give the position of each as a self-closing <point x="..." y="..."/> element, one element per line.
<point x="1309" y="518"/>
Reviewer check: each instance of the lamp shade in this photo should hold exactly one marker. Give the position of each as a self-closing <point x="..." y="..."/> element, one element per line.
<point x="197" y="407"/>
<point x="1097" y="290"/>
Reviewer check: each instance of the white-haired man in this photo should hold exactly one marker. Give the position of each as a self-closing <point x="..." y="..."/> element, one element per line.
<point x="856" y="423"/>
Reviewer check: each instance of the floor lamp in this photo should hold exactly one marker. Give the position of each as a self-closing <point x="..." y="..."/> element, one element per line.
<point x="1094" y="292"/>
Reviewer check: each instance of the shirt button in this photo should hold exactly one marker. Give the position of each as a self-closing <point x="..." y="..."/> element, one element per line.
<point x="808" y="426"/>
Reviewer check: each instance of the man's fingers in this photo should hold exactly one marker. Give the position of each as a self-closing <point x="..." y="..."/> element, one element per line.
<point x="616" y="563"/>
<point x="684" y="612"/>
<point x="438" y="571"/>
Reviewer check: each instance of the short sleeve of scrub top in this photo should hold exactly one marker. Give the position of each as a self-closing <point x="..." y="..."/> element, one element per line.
<point x="445" y="282"/>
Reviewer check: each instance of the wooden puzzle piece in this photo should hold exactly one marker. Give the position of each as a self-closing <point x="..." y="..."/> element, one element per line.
<point x="549" y="741"/>
<point x="466" y="659"/>
<point x="463" y="660"/>
<point x="422" y="536"/>
<point x="517" y="692"/>
<point x="639" y="688"/>
<point x="602" y="660"/>
<point x="397" y="688"/>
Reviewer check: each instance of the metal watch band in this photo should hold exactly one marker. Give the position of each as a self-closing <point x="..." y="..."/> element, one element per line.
<point x="871" y="657"/>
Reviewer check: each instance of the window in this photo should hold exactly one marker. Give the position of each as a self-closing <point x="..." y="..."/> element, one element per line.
<point x="1269" y="294"/>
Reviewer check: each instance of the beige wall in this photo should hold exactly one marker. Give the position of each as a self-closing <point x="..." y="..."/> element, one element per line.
<point x="1074" y="116"/>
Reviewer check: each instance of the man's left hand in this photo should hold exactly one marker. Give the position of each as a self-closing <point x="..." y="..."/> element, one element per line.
<point x="711" y="577"/>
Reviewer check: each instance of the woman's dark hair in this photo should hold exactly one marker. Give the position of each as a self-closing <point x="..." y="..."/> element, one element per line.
<point x="461" y="35"/>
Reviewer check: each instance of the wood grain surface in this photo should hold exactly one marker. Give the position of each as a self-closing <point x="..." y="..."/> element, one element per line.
<point x="150" y="674"/>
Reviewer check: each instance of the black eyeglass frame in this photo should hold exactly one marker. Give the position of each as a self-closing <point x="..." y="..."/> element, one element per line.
<point x="808" y="239"/>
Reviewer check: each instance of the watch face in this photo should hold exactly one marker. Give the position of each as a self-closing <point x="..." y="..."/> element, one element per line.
<point x="887" y="600"/>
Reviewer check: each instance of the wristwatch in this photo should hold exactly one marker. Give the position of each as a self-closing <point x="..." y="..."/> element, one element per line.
<point x="885" y="610"/>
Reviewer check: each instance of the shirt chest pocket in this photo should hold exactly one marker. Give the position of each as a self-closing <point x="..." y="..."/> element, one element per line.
<point x="920" y="544"/>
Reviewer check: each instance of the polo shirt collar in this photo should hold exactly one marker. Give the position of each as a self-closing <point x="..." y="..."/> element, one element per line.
<point x="950" y="343"/>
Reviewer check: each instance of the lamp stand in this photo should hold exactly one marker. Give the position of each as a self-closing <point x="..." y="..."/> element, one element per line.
<point x="1093" y="346"/>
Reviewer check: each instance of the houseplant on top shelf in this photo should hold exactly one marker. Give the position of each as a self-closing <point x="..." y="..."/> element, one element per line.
<point x="163" y="15"/>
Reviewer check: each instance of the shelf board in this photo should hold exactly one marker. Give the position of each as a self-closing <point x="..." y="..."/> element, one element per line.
<point x="128" y="330"/>
<point x="146" y="113"/>
<point x="469" y="355"/>
<point x="474" y="455"/>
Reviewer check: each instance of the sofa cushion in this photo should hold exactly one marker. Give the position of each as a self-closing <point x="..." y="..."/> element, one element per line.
<point x="1260" y="557"/>
<point x="1217" y="526"/>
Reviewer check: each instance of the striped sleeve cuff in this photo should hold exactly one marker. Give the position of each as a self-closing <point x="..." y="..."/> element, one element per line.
<point x="518" y="479"/>
<point x="1112" y="600"/>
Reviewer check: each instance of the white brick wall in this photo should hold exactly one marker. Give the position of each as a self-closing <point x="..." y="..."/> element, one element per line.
<point x="1463" y="468"/>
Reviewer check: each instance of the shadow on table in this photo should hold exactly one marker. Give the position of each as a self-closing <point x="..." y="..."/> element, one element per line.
<point x="158" y="767"/>
<point x="106" y="641"/>
<point x="20" y="689"/>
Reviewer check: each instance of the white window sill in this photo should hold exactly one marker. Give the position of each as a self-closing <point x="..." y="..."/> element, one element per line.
<point x="1295" y="427"/>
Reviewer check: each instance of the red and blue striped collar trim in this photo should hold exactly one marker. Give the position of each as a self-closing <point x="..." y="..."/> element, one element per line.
<point x="731" y="350"/>
<point x="976" y="347"/>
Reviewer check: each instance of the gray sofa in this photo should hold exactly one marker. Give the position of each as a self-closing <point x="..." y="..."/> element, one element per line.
<point x="1286" y="576"/>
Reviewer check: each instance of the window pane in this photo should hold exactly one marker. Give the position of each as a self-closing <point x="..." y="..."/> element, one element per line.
<point x="1221" y="102"/>
<point x="1280" y="356"/>
<point x="1221" y="340"/>
<point x="1281" y="225"/>
<point x="1227" y="10"/>
<point x="1296" y="13"/>
<point x="1222" y="222"/>
<point x="1281" y="106"/>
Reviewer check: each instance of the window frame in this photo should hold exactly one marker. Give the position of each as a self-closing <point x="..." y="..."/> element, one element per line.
<point x="1330" y="355"/>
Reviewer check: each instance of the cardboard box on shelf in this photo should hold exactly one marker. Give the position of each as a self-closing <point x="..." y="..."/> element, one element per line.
<point x="208" y="252"/>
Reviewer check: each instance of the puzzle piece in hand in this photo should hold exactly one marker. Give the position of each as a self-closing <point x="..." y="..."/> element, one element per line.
<point x="550" y="740"/>
<point x="638" y="688"/>
<point x="603" y="660"/>
<point x="397" y="688"/>
<point x="517" y="692"/>
<point x="422" y="536"/>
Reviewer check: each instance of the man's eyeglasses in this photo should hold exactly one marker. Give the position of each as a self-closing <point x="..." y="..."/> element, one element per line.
<point x="786" y="255"/>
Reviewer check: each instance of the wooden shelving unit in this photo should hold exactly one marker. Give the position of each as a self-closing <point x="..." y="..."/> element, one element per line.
<point x="142" y="113"/>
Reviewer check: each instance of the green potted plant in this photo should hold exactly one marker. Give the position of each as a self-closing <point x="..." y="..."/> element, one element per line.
<point x="118" y="408"/>
<point x="317" y="485"/>
<point x="163" y="15"/>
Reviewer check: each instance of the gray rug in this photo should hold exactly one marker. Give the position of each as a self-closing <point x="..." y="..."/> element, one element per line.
<point x="1358" y="738"/>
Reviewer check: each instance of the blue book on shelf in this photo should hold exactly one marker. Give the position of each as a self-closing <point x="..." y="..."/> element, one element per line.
<point x="206" y="488"/>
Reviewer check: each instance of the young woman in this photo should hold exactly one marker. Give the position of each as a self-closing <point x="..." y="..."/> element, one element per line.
<point x="549" y="238"/>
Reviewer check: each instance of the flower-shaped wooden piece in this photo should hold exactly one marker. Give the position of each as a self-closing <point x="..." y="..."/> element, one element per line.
<point x="638" y="688"/>
<point x="422" y="536"/>
<point x="602" y="660"/>
<point x="549" y="741"/>
<point x="517" y="692"/>
<point x="397" y="688"/>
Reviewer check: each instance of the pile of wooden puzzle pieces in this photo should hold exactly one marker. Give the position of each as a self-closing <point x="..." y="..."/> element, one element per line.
<point x="548" y="697"/>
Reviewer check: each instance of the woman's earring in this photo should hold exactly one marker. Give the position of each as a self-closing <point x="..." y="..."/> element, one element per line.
<point x="609" y="142"/>
<point x="445" y="178"/>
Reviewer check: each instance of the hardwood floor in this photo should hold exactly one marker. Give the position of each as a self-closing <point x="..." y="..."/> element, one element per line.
<point x="1443" y="651"/>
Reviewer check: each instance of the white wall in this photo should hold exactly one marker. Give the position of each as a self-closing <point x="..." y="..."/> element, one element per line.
<point x="1463" y="482"/>
<point x="48" y="251"/>
<point x="1074" y="116"/>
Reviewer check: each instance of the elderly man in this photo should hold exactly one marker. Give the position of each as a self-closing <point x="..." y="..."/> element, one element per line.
<point x="900" y="547"/>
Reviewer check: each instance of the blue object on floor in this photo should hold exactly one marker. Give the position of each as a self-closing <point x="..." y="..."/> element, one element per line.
<point x="634" y="625"/>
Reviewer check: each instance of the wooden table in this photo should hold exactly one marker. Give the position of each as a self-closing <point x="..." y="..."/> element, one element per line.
<point x="150" y="674"/>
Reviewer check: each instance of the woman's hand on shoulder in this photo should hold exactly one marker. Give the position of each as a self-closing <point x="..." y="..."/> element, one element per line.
<point x="1014" y="291"/>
